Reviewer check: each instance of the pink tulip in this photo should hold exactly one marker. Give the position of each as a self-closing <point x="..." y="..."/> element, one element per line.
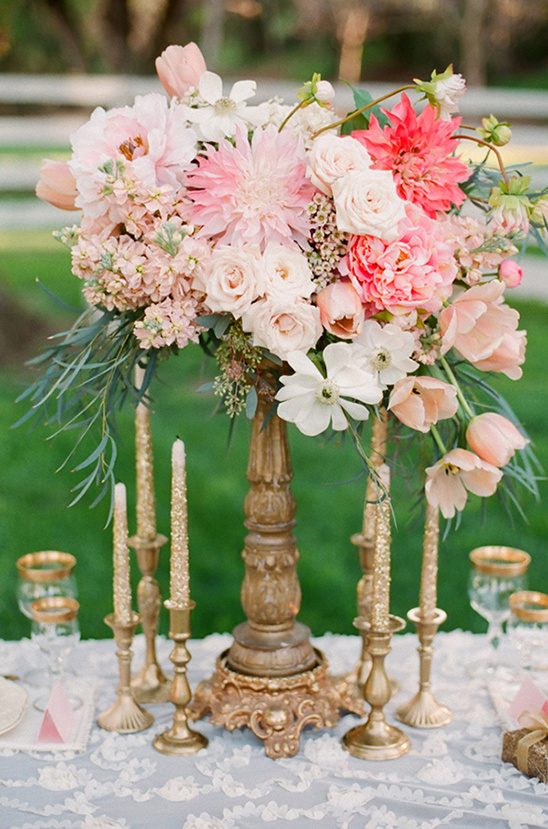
<point x="180" y="68"/>
<point x="57" y="185"/>
<point x="457" y="473"/>
<point x="482" y="328"/>
<point x="494" y="438"/>
<point x="510" y="273"/>
<point x="421" y="401"/>
<point x="341" y="310"/>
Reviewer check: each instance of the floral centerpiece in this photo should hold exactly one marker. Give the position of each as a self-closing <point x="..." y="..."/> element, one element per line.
<point x="361" y="258"/>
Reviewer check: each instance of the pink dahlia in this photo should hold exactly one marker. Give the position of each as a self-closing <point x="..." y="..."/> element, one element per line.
<point x="252" y="193"/>
<point x="414" y="271"/>
<point x="418" y="149"/>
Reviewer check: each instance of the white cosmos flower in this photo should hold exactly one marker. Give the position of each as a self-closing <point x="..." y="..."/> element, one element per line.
<point x="220" y="115"/>
<point x="386" y="352"/>
<point x="312" y="402"/>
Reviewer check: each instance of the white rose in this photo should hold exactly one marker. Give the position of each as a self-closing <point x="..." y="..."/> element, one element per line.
<point x="446" y="93"/>
<point x="332" y="156"/>
<point x="287" y="273"/>
<point x="231" y="279"/>
<point x="282" y="327"/>
<point x="367" y="204"/>
<point x="308" y="120"/>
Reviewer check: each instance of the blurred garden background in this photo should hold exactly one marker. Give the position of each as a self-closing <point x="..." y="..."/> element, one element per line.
<point x="59" y="59"/>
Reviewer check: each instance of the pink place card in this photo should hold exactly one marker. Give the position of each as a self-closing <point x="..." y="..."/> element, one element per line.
<point x="528" y="698"/>
<point x="58" y="718"/>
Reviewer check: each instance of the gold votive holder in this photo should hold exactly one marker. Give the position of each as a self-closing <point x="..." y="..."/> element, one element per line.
<point x="180" y="740"/>
<point x="149" y="685"/>
<point x="423" y="710"/>
<point x="125" y="716"/>
<point x="376" y="739"/>
<point x="46" y="566"/>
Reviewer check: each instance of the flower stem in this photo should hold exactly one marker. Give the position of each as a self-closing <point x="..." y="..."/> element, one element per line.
<point x="295" y="109"/>
<point x="490" y="147"/>
<point x="437" y="437"/>
<point x="362" y="109"/>
<point x="454" y="382"/>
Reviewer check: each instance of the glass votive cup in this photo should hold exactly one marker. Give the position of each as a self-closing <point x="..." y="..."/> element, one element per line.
<point x="528" y="628"/>
<point x="55" y="630"/>
<point x="42" y="574"/>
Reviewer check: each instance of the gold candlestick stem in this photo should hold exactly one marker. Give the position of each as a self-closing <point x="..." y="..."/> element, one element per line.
<point x="150" y="685"/>
<point x="376" y="739"/>
<point x="423" y="711"/>
<point x="180" y="740"/>
<point x="125" y="716"/>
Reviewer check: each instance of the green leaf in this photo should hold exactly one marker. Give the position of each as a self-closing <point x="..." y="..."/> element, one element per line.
<point x="251" y="403"/>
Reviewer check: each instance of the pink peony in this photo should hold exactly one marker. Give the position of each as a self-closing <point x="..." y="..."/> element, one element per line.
<point x="419" y="150"/>
<point x="483" y="330"/>
<point x="180" y="68"/>
<point x="415" y="271"/>
<point x="252" y="193"/>
<point x="421" y="401"/>
<point x="57" y="185"/>
<point x="341" y="311"/>
<point x="457" y="473"/>
<point x="151" y="139"/>
<point x="494" y="438"/>
<point x="510" y="273"/>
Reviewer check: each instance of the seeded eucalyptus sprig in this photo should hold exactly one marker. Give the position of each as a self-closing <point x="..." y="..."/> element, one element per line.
<point x="89" y="376"/>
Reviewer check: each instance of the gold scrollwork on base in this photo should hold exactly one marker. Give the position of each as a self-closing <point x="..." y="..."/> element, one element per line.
<point x="276" y="709"/>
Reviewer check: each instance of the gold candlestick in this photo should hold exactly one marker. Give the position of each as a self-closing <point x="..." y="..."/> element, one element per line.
<point x="125" y="716"/>
<point x="376" y="739"/>
<point x="423" y="710"/>
<point x="180" y="740"/>
<point x="150" y="685"/>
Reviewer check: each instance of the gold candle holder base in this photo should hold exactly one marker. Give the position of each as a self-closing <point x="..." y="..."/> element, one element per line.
<point x="376" y="739"/>
<point x="180" y="740"/>
<point x="125" y="716"/>
<point x="423" y="711"/>
<point x="150" y="685"/>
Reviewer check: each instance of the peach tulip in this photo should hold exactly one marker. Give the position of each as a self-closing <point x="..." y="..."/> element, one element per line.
<point x="421" y="401"/>
<point x="341" y="310"/>
<point x="57" y="185"/>
<point x="180" y="68"/>
<point x="482" y="328"/>
<point x="494" y="438"/>
<point x="453" y="476"/>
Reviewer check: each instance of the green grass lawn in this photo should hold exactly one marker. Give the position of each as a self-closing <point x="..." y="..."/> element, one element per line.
<point x="33" y="498"/>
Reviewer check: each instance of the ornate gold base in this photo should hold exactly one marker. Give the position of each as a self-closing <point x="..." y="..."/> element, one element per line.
<point x="276" y="709"/>
<point x="424" y="711"/>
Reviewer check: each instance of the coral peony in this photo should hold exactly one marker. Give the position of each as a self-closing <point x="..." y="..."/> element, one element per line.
<point x="254" y="192"/>
<point x="419" y="150"/>
<point x="457" y="473"/>
<point x="180" y="68"/>
<point x="483" y="330"/>
<point x="494" y="438"/>
<point x="414" y="271"/>
<point x="57" y="184"/>
<point x="421" y="401"/>
<point x="341" y="311"/>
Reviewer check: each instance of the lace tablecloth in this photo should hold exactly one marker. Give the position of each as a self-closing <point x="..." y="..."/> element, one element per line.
<point x="453" y="776"/>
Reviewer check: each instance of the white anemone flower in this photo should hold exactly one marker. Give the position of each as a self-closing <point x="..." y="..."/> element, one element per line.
<point x="386" y="352"/>
<point x="220" y="114"/>
<point x="313" y="402"/>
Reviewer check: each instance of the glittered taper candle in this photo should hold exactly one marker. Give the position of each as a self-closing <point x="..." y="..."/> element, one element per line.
<point x="380" y="588"/>
<point x="122" y="587"/>
<point x="179" y="576"/>
<point x="429" y="571"/>
<point x="146" y="502"/>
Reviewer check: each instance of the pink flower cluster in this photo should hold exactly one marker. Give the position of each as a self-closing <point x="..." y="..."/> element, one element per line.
<point x="202" y="204"/>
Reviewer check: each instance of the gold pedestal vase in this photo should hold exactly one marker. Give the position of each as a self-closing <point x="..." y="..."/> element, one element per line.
<point x="271" y="679"/>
